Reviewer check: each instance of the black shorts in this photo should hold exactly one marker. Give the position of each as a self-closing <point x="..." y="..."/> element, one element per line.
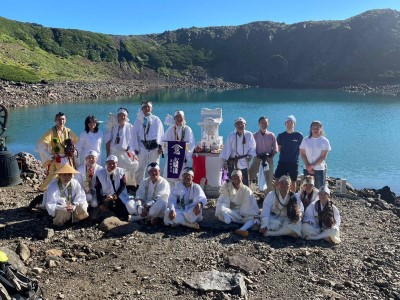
<point x="287" y="168"/>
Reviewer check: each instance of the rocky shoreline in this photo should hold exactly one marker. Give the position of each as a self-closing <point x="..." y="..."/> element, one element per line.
<point x="92" y="261"/>
<point x="365" y="89"/>
<point x="16" y="94"/>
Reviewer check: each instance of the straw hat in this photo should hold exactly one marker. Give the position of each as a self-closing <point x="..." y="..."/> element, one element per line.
<point x="66" y="169"/>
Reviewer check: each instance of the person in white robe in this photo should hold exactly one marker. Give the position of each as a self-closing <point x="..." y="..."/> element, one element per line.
<point x="185" y="203"/>
<point x="239" y="149"/>
<point x="178" y="131"/>
<point x="274" y="215"/>
<point x="237" y="204"/>
<point x="151" y="197"/>
<point x="66" y="199"/>
<point x="308" y="192"/>
<point x="87" y="176"/>
<point x="90" y="139"/>
<point x="147" y="136"/>
<point x="119" y="142"/>
<point x="313" y="228"/>
<point x="111" y="191"/>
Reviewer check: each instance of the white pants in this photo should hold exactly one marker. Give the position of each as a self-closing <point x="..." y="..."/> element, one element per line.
<point x="314" y="233"/>
<point x="156" y="210"/>
<point x="78" y="214"/>
<point x="228" y="215"/>
<point x="281" y="226"/>
<point x="146" y="157"/>
<point x="182" y="217"/>
<point x="131" y="166"/>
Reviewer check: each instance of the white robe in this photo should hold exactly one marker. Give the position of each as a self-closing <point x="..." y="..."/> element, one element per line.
<point x="55" y="201"/>
<point x="182" y="200"/>
<point x="274" y="215"/>
<point x="89" y="141"/>
<point x="234" y="147"/>
<point x="311" y="227"/>
<point x="237" y="205"/>
<point x="81" y="177"/>
<point x="106" y="184"/>
<point x="156" y="197"/>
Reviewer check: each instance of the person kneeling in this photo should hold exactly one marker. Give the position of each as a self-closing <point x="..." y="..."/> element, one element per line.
<point x="237" y="204"/>
<point x="111" y="191"/>
<point x="186" y="202"/>
<point x="151" y="197"/>
<point x="282" y="211"/>
<point x="322" y="219"/>
<point x="66" y="198"/>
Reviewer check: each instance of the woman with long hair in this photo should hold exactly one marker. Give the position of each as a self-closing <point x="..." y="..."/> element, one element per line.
<point x="90" y="139"/>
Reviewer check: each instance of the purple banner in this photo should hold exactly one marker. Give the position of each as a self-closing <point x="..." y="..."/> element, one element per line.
<point x="176" y="157"/>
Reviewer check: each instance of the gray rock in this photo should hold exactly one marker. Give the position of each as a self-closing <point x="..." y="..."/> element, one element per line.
<point x="14" y="260"/>
<point x="117" y="227"/>
<point x="217" y="281"/>
<point x="381" y="283"/>
<point x="37" y="270"/>
<point x="245" y="263"/>
<point x="46" y="233"/>
<point x="23" y="251"/>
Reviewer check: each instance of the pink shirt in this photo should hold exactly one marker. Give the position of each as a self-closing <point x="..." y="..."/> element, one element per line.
<point x="265" y="143"/>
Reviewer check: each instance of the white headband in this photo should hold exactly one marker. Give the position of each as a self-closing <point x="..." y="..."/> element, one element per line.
<point x="146" y="103"/>
<point x="179" y="112"/>
<point x="153" y="166"/>
<point x="112" y="158"/>
<point x="123" y="111"/>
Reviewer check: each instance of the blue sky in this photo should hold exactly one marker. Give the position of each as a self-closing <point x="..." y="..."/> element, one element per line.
<point x="155" y="16"/>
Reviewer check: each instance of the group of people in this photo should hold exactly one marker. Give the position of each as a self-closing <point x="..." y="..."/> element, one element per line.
<point x="130" y="184"/>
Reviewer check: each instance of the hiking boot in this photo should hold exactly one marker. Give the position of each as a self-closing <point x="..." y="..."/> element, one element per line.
<point x="242" y="233"/>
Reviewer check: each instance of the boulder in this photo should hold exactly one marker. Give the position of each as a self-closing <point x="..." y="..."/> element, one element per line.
<point x="245" y="263"/>
<point x="23" y="251"/>
<point x="14" y="259"/>
<point x="217" y="281"/>
<point x="116" y="227"/>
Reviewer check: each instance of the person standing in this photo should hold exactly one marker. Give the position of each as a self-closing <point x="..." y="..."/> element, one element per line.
<point x="266" y="148"/>
<point x="90" y="139"/>
<point x="147" y="138"/>
<point x="119" y="142"/>
<point x="238" y="150"/>
<point x="180" y="132"/>
<point x="314" y="150"/>
<point x="288" y="146"/>
<point x="56" y="148"/>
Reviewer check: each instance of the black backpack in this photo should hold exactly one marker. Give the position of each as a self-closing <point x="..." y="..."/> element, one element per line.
<point x="14" y="285"/>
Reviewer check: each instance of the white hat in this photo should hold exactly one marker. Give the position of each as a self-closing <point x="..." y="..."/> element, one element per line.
<point x="112" y="158"/>
<point x="324" y="189"/>
<point x="92" y="152"/>
<point x="179" y="112"/>
<point x="153" y="165"/>
<point x="236" y="172"/>
<point x="122" y="110"/>
<point x="290" y="118"/>
<point x="188" y="171"/>
<point x="240" y="119"/>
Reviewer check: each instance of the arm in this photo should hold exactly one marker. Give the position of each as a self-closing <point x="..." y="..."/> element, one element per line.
<point x="336" y="215"/>
<point x="122" y="185"/>
<point x="266" y="211"/>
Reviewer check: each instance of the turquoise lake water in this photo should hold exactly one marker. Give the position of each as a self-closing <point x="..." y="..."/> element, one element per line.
<point x="363" y="130"/>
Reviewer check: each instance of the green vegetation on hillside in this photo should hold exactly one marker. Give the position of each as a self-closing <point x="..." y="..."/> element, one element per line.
<point x="307" y="54"/>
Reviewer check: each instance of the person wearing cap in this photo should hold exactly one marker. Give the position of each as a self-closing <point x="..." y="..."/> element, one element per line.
<point x="186" y="202"/>
<point x="87" y="176"/>
<point x="179" y="131"/>
<point x="266" y="148"/>
<point x="111" y="191"/>
<point x="288" y="146"/>
<point x="314" y="150"/>
<point x="119" y="142"/>
<point x="322" y="219"/>
<point x="236" y="203"/>
<point x="65" y="197"/>
<point x="147" y="138"/>
<point x="90" y="139"/>
<point x="275" y="217"/>
<point x="308" y="192"/>
<point x="238" y="150"/>
<point x="151" y="197"/>
<point x="51" y="148"/>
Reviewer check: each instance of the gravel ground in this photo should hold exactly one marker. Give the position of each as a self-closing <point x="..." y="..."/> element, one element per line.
<point x="153" y="262"/>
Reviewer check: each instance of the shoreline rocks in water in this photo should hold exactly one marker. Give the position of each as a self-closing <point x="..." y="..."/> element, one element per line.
<point x="365" y="89"/>
<point x="15" y="94"/>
